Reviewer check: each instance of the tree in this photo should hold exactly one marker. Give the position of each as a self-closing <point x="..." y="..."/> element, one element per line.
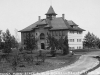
<point x="7" y="41"/>
<point x="14" y="43"/>
<point x="63" y="45"/>
<point x="0" y="39"/>
<point x="53" y="44"/>
<point x="66" y="46"/>
<point x="31" y="43"/>
<point x="90" y="40"/>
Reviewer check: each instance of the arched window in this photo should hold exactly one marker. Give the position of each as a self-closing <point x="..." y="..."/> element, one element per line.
<point x="42" y="36"/>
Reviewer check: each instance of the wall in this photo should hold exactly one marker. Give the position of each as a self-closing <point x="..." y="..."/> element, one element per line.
<point x="76" y="44"/>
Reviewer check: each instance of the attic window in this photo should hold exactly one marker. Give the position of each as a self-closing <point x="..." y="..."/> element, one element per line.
<point x="74" y="26"/>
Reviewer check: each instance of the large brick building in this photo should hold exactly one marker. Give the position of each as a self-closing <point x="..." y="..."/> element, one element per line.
<point x="57" y="27"/>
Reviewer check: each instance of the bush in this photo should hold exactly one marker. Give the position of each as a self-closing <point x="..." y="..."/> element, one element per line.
<point x="28" y="58"/>
<point x="40" y="58"/>
<point x="15" y="62"/>
<point x="7" y="50"/>
<point x="21" y="49"/>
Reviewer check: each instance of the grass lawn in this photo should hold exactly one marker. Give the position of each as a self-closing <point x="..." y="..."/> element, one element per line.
<point x="49" y="64"/>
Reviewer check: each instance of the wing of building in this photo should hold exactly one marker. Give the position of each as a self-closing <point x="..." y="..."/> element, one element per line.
<point x="57" y="27"/>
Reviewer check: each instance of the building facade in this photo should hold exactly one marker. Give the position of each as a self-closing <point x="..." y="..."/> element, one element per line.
<point x="56" y="27"/>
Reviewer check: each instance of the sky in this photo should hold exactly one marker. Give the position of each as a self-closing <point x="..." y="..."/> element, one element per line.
<point x="18" y="14"/>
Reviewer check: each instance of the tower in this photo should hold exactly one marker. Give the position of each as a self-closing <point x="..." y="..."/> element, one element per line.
<point x="51" y="13"/>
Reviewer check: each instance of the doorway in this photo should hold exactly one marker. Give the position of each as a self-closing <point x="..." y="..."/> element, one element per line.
<point x="42" y="46"/>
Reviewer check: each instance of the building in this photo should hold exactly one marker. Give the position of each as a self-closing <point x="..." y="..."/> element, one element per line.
<point x="57" y="27"/>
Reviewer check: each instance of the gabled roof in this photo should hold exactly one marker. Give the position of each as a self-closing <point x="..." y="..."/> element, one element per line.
<point x="51" y="11"/>
<point x="54" y="24"/>
<point x="29" y="28"/>
<point x="32" y="26"/>
<point x="42" y="22"/>
<point x="70" y="22"/>
<point x="58" y="23"/>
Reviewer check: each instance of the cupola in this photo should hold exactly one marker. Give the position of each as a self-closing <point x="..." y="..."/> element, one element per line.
<point x="51" y="13"/>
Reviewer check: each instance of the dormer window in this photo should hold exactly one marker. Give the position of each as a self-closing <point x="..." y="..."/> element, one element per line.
<point x="74" y="26"/>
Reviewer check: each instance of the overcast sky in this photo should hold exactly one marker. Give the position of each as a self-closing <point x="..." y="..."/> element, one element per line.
<point x="18" y="14"/>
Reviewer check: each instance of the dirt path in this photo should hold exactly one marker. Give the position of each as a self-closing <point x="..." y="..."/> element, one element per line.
<point x="82" y="65"/>
<point x="95" y="72"/>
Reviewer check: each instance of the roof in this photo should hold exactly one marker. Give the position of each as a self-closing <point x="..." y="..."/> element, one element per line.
<point x="30" y="27"/>
<point x="58" y="23"/>
<point x="55" y="24"/>
<point x="51" y="11"/>
<point x="70" y="22"/>
<point x="42" y="22"/>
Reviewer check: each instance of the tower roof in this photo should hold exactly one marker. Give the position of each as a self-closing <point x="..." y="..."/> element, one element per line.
<point x="51" y="11"/>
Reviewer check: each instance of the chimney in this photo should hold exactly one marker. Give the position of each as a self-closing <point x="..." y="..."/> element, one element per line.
<point x="39" y="17"/>
<point x="63" y="16"/>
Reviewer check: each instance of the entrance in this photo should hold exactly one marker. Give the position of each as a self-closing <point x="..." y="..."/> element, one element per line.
<point x="42" y="46"/>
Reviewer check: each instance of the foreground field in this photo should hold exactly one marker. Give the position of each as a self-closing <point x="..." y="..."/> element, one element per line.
<point x="50" y="63"/>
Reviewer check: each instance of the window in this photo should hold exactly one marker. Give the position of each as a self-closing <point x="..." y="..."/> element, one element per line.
<point x="73" y="40"/>
<point x="47" y="41"/>
<point x="36" y="33"/>
<point x="63" y="33"/>
<point x="70" y="40"/>
<point x="52" y="33"/>
<point x="79" y="47"/>
<point x="70" y="48"/>
<point x="60" y="33"/>
<point x="78" y="40"/>
<point x="74" y="26"/>
<point x="72" y="32"/>
<point x="42" y="36"/>
<point x="47" y="33"/>
<point x="56" y="33"/>
<point x="78" y="32"/>
<point x="25" y="41"/>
